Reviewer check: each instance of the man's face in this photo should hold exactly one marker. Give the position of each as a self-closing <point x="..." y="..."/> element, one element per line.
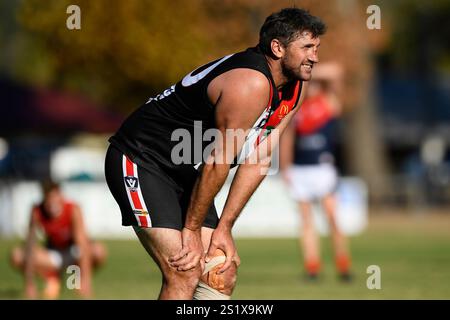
<point x="300" y="57"/>
<point x="53" y="202"/>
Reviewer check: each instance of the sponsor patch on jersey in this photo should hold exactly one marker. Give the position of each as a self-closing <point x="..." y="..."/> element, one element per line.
<point x="284" y="110"/>
<point x="131" y="182"/>
<point x="141" y="212"/>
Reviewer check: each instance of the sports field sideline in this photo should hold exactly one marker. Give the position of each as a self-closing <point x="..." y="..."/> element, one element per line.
<point x="413" y="253"/>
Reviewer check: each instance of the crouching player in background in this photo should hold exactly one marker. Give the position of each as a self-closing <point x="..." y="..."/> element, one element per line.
<point x="66" y="244"/>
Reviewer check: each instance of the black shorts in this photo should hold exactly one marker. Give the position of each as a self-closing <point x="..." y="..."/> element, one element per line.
<point x="147" y="197"/>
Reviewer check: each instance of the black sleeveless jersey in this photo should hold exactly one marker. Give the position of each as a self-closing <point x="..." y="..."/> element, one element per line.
<point x="159" y="131"/>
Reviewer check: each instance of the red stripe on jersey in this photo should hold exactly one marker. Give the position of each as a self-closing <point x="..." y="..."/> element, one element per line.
<point x="135" y="199"/>
<point x="130" y="171"/>
<point x="143" y="221"/>
<point x="289" y="96"/>
<point x="289" y="99"/>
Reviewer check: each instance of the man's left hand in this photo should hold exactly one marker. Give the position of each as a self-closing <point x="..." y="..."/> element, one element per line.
<point x="222" y="239"/>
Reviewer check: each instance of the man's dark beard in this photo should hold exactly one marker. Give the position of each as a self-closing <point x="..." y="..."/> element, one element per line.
<point x="289" y="74"/>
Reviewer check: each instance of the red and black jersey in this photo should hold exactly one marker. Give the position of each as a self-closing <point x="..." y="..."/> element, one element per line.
<point x="58" y="230"/>
<point x="315" y="124"/>
<point x="152" y="132"/>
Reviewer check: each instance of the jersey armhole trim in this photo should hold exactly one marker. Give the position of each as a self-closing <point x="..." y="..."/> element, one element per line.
<point x="298" y="96"/>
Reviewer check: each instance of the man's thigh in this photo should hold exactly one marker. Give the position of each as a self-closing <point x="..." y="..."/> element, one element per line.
<point x="45" y="259"/>
<point x="165" y="242"/>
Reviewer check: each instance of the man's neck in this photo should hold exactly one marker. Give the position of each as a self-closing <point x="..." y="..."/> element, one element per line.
<point x="277" y="74"/>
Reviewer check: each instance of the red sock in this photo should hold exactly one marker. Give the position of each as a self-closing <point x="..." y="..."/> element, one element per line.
<point x="343" y="263"/>
<point x="312" y="266"/>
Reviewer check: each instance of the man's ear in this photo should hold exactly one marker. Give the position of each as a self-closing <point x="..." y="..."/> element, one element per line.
<point x="277" y="48"/>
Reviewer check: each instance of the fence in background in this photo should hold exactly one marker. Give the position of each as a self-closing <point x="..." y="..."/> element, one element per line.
<point x="270" y="212"/>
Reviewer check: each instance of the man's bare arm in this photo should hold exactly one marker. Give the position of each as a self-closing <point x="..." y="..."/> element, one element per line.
<point x="247" y="179"/>
<point x="242" y="97"/>
<point x="287" y="141"/>
<point x="251" y="173"/>
<point x="237" y="108"/>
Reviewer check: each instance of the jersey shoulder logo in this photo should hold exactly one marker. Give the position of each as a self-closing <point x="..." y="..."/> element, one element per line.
<point x="190" y="79"/>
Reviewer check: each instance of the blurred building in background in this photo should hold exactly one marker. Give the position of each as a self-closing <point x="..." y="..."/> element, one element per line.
<point x="34" y="123"/>
<point x="412" y="86"/>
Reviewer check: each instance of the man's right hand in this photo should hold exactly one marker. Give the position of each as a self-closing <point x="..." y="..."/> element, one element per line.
<point x="191" y="252"/>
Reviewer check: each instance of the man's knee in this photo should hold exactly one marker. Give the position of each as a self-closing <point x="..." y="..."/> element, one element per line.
<point x="99" y="254"/>
<point x="223" y="283"/>
<point x="183" y="279"/>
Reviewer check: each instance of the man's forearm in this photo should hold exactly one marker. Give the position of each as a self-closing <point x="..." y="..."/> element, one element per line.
<point x="248" y="178"/>
<point x="208" y="184"/>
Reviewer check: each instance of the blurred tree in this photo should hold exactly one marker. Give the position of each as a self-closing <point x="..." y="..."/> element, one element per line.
<point x="129" y="50"/>
<point x="125" y="50"/>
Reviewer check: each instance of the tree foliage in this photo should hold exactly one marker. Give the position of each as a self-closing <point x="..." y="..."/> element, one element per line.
<point x="125" y="50"/>
<point x="129" y="50"/>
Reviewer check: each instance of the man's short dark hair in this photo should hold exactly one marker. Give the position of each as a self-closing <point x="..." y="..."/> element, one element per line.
<point x="286" y="25"/>
<point x="49" y="185"/>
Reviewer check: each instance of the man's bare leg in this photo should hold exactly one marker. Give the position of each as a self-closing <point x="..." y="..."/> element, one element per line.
<point x="341" y="252"/>
<point x="43" y="265"/>
<point x="42" y="262"/>
<point x="98" y="253"/>
<point x="162" y="243"/>
<point x="309" y="241"/>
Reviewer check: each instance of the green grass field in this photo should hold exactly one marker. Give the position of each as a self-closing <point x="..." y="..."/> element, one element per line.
<point x="412" y="252"/>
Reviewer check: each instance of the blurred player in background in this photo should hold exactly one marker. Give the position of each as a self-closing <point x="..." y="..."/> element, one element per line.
<point x="307" y="163"/>
<point x="66" y="244"/>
